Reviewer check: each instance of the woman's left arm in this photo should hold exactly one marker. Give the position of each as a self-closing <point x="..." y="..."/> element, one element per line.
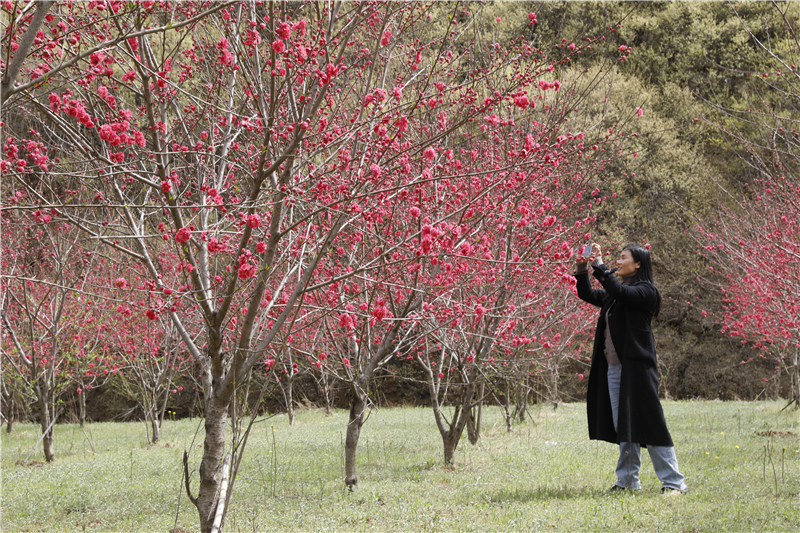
<point x="642" y="295"/>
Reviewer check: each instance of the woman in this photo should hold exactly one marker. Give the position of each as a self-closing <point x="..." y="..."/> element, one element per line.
<point x="622" y="402"/>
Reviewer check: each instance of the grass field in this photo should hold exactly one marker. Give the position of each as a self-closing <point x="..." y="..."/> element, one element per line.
<point x="741" y="461"/>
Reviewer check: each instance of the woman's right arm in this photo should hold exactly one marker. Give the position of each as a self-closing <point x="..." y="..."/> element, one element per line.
<point x="584" y="286"/>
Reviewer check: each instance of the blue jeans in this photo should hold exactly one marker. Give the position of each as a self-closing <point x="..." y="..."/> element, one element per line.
<point x="665" y="462"/>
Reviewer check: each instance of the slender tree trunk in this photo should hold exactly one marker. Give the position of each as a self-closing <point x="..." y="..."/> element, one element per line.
<point x="451" y="438"/>
<point x="474" y="420"/>
<point x="161" y="411"/>
<point x="47" y="446"/>
<point x="554" y="389"/>
<point x="328" y="403"/>
<point x="211" y="465"/>
<point x="795" y="379"/>
<point x="358" y="401"/>
<point x="326" y="390"/>
<point x="523" y="393"/>
<point x="8" y="413"/>
<point x="82" y="408"/>
<point x="156" y="427"/>
<point x="357" y="407"/>
<point x="451" y="431"/>
<point x="290" y="399"/>
<point x="507" y="408"/>
<point x="44" y="420"/>
<point x="150" y="418"/>
<point x="450" y="444"/>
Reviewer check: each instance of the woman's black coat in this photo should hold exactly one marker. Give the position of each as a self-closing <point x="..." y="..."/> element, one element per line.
<point x="641" y="418"/>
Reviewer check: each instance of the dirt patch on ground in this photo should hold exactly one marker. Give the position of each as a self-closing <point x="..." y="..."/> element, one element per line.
<point x="775" y="433"/>
<point x="32" y="463"/>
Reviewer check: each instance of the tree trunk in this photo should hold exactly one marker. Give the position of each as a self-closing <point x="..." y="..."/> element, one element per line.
<point x="522" y="403"/>
<point x="450" y="444"/>
<point x="290" y="399"/>
<point x="42" y="393"/>
<point x="211" y="465"/>
<point x="47" y="440"/>
<point x="506" y="403"/>
<point x="8" y="415"/>
<point x="82" y="407"/>
<point x="357" y="407"/>
<point x="156" y="427"/>
<point x="795" y="379"/>
<point x="328" y="393"/>
<point x="451" y="438"/>
<point x="451" y="432"/>
<point x="509" y="419"/>
<point x="554" y="389"/>
<point x="151" y="421"/>
<point x="474" y="421"/>
<point x="47" y="446"/>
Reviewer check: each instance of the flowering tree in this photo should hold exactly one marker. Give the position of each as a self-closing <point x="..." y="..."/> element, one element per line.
<point x="287" y="365"/>
<point x="45" y="308"/>
<point x="754" y="243"/>
<point x="494" y="204"/>
<point x="754" y="248"/>
<point x="152" y="355"/>
<point x="185" y="125"/>
<point x="505" y="273"/>
<point x="548" y="335"/>
<point x="89" y="358"/>
<point x="11" y="386"/>
<point x="263" y="145"/>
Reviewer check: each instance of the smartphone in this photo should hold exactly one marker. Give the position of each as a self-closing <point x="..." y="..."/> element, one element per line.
<point x="587" y="251"/>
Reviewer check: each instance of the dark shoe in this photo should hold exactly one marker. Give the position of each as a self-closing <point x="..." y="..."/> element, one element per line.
<point x="669" y="491"/>
<point x="617" y="488"/>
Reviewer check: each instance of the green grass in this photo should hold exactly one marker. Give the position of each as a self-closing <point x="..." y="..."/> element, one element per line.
<point x="544" y="476"/>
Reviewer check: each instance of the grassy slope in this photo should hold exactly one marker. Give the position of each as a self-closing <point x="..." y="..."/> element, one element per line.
<point x="544" y="476"/>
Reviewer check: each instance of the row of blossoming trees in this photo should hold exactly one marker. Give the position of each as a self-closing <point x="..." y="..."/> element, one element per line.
<point x="754" y="244"/>
<point x="253" y="186"/>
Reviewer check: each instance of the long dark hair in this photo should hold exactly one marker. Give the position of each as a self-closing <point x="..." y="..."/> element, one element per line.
<point x="641" y="255"/>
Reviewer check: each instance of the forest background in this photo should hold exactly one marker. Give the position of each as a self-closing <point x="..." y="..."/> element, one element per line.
<point x="691" y="67"/>
<point x="232" y="209"/>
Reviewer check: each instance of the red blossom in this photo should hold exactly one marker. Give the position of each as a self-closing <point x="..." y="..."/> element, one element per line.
<point x="246" y="271"/>
<point x="284" y="30"/>
<point x="183" y="235"/>
<point x="254" y="221"/>
<point x="376" y="170"/>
